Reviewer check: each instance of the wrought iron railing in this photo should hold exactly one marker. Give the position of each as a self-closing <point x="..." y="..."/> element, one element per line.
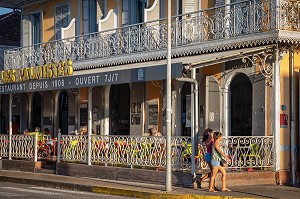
<point x="244" y="151"/>
<point x="4" y="144"/>
<point x="22" y="147"/>
<point x="73" y="148"/>
<point x="290" y="15"/>
<point x="250" y="151"/>
<point x="223" y="22"/>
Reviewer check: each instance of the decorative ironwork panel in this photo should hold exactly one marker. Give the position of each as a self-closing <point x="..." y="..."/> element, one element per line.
<point x="222" y="22"/>
<point x="73" y="148"/>
<point x="129" y="150"/>
<point x="4" y="142"/>
<point x="290" y="15"/>
<point x="22" y="146"/>
<point x="249" y="151"/>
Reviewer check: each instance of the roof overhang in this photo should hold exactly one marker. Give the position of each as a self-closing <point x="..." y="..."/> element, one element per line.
<point x="18" y="3"/>
<point x="204" y="60"/>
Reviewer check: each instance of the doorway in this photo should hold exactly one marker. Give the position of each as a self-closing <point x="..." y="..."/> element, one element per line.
<point x="241" y="106"/>
<point x="63" y="112"/>
<point x="186" y="109"/>
<point x="36" y="111"/>
<point x="120" y="109"/>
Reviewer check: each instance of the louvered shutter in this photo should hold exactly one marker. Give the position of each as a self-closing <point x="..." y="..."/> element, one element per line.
<point x="258" y="110"/>
<point x="220" y="2"/>
<point x="26" y="33"/>
<point x="58" y="22"/>
<point x="213" y="103"/>
<point x="101" y="9"/>
<point x="65" y="16"/>
<point x="41" y="27"/>
<point x="125" y="12"/>
<point x="61" y="19"/>
<point x="85" y="10"/>
<point x="189" y="6"/>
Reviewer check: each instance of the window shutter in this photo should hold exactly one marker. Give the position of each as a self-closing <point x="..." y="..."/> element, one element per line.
<point x="26" y="33"/>
<point x="61" y="19"/>
<point x="57" y="22"/>
<point x="65" y="16"/>
<point x="85" y="10"/>
<point x="220" y="2"/>
<point x="101" y="9"/>
<point x="125" y="12"/>
<point x="41" y="26"/>
<point x="258" y="99"/>
<point x="189" y="6"/>
<point x="213" y="103"/>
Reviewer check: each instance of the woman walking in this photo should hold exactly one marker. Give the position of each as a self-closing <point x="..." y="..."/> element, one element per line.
<point x="208" y="140"/>
<point x="218" y="158"/>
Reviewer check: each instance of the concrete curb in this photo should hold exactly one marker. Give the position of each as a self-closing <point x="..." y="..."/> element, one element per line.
<point x="153" y="195"/>
<point x="114" y="191"/>
<point x="47" y="183"/>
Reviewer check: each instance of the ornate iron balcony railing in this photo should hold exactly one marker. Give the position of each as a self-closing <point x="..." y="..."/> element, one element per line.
<point x="290" y="15"/>
<point x="223" y="23"/>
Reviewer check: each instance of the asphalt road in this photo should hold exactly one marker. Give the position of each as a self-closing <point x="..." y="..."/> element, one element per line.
<point x="13" y="190"/>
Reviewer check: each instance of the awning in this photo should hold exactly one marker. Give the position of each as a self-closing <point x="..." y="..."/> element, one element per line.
<point x="94" y="78"/>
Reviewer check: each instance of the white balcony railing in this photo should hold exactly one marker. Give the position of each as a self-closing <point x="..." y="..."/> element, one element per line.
<point x="223" y="22"/>
<point x="244" y="152"/>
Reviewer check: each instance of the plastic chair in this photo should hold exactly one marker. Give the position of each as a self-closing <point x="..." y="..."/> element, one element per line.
<point x="254" y="153"/>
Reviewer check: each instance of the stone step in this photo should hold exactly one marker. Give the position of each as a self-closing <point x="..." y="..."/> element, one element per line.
<point x="47" y="165"/>
<point x="47" y="171"/>
<point x="243" y="179"/>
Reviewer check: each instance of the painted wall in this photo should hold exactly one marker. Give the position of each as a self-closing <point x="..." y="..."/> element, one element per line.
<point x="98" y="109"/>
<point x="285" y="100"/>
<point x="48" y="9"/>
<point x="154" y="93"/>
<point x="137" y="102"/>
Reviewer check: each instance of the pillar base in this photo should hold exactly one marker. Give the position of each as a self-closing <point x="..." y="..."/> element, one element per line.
<point x="283" y="177"/>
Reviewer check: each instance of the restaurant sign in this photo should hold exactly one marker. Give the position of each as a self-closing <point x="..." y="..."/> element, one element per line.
<point x="94" y="79"/>
<point x="63" y="68"/>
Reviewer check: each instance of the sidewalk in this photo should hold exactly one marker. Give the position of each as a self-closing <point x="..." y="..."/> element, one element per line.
<point x="144" y="190"/>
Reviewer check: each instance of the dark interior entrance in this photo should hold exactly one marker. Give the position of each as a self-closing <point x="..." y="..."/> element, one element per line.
<point x="241" y="106"/>
<point x="63" y="112"/>
<point x="120" y="109"/>
<point x="36" y="111"/>
<point x="186" y="109"/>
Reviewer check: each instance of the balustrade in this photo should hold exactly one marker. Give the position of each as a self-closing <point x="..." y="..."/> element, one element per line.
<point x="222" y="22"/>
<point x="145" y="151"/>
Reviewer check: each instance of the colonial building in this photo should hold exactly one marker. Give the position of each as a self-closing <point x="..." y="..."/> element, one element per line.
<point x="102" y="65"/>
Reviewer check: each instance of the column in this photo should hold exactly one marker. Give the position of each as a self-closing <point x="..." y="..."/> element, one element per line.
<point x="90" y="105"/>
<point x="10" y="125"/>
<point x="106" y="109"/>
<point x="276" y="109"/>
